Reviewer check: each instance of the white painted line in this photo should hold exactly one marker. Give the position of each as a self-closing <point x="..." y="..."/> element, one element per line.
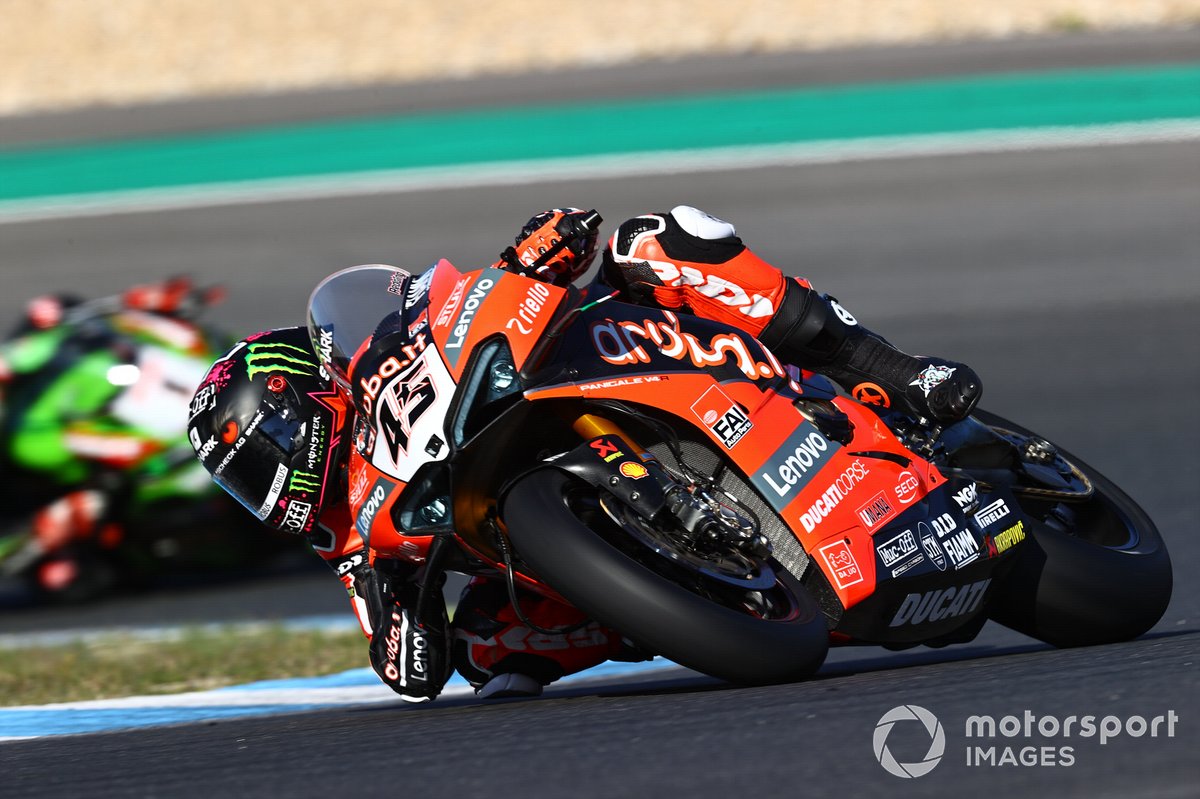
<point x="268" y="698"/>
<point x="593" y="167"/>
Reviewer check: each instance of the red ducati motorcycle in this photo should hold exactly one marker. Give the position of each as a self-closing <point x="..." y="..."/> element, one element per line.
<point x="665" y="474"/>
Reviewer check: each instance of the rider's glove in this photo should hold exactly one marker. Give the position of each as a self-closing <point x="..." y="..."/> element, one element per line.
<point x="408" y="653"/>
<point x="943" y="391"/>
<point x="557" y="246"/>
<point x="411" y="657"/>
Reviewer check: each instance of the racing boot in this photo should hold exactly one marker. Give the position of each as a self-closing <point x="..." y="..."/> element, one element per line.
<point x="814" y="330"/>
<point x="501" y="657"/>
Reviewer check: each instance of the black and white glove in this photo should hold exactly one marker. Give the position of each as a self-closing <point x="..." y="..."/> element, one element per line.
<point x="944" y="391"/>
<point x="410" y="655"/>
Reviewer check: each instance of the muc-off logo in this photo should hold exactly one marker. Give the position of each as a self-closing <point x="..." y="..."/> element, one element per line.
<point x="275" y="357"/>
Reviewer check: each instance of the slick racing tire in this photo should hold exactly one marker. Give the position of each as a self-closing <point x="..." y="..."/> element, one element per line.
<point x="654" y="612"/>
<point x="1103" y="579"/>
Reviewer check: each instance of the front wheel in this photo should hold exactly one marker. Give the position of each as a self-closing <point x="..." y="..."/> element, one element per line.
<point x="767" y="635"/>
<point x="1095" y="571"/>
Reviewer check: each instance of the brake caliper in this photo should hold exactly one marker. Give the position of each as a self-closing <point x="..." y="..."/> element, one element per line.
<point x="709" y="524"/>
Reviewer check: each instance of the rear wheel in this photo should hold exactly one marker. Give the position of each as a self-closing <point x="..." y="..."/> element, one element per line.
<point x="1094" y="571"/>
<point x="727" y="620"/>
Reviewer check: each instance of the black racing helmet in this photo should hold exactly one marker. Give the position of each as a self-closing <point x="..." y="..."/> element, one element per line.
<point x="265" y="423"/>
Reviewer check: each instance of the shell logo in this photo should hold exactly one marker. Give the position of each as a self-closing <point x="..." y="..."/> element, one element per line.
<point x="635" y="471"/>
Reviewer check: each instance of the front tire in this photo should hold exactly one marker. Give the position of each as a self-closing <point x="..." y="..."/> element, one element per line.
<point x="654" y="612"/>
<point x="1106" y="580"/>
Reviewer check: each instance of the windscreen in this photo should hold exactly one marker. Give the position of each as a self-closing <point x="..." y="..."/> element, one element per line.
<point x="346" y="308"/>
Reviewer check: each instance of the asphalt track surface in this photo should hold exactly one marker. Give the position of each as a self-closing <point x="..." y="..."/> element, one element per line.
<point x="1068" y="279"/>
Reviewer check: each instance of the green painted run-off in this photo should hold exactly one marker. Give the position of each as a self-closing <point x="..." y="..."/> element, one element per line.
<point x="998" y="102"/>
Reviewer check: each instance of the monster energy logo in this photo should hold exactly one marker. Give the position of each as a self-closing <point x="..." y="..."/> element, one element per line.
<point x="275" y="357"/>
<point x="303" y="481"/>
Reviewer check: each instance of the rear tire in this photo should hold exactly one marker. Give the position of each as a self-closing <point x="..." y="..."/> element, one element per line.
<point x="654" y="612"/>
<point x="1087" y="586"/>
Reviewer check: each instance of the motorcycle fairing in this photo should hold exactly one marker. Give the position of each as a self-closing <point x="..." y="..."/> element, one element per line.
<point x="840" y="500"/>
<point x="466" y="308"/>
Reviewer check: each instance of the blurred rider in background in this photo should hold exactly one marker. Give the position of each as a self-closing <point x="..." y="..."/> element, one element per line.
<point x="93" y="396"/>
<point x="252" y="427"/>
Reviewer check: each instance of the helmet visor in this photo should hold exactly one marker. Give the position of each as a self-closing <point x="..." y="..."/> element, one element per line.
<point x="246" y="471"/>
<point x="346" y="308"/>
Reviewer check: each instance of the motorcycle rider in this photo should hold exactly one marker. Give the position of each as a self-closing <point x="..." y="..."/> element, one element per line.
<point x="253" y="423"/>
<point x="74" y="449"/>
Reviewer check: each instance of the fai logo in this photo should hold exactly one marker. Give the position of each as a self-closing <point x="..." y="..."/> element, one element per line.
<point x="924" y="720"/>
<point x="725" y="418"/>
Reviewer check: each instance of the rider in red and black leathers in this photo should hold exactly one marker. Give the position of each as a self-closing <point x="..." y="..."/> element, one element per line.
<point x="684" y="260"/>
